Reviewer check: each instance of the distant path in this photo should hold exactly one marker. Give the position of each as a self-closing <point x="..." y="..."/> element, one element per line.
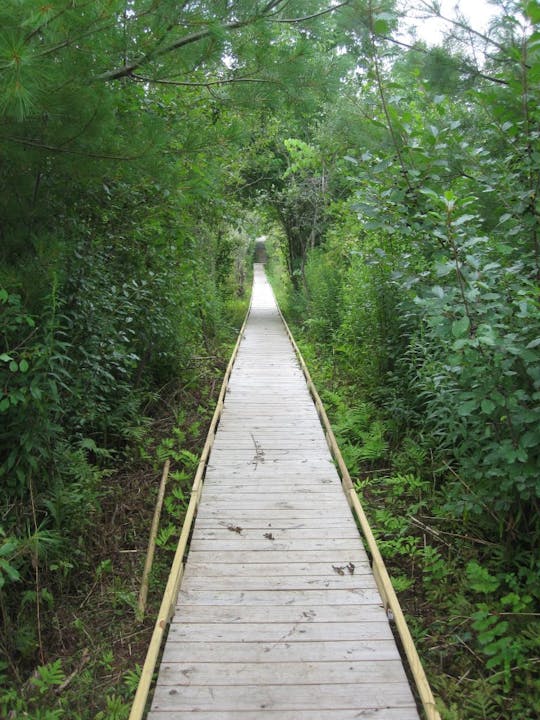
<point x="278" y="616"/>
<point x="261" y="256"/>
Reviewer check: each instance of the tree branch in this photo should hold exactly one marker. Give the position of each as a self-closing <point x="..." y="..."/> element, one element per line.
<point x="425" y="51"/>
<point x="128" y="70"/>
<point x="434" y="10"/>
<point x="315" y="15"/>
<point x="82" y="153"/>
<point x="156" y="81"/>
<point x="272" y="5"/>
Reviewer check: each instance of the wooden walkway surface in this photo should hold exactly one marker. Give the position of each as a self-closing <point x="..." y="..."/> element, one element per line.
<point x="278" y="616"/>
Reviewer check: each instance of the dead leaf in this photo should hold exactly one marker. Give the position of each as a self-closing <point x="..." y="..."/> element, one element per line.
<point x="235" y="528"/>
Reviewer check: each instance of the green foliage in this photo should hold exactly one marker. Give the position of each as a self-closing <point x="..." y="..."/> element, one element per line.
<point x="29" y="704"/>
<point x="109" y="292"/>
<point x="116" y="709"/>
<point x="48" y="676"/>
<point x="131" y="679"/>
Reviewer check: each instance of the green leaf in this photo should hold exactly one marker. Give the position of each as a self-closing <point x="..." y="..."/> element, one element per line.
<point x="467" y="408"/>
<point x="533" y="11"/>
<point x="443" y="269"/>
<point x="23" y="366"/>
<point x="463" y="219"/>
<point x="35" y="391"/>
<point x="383" y="23"/>
<point x="460" y="327"/>
<point x="13" y="366"/>
<point x="11" y="572"/>
<point x="88" y="444"/>
<point x="4" y="357"/>
<point x="488" y="406"/>
<point x="481" y="580"/>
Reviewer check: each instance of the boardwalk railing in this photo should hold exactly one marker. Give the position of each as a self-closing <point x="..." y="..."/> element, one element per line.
<point x="380" y="573"/>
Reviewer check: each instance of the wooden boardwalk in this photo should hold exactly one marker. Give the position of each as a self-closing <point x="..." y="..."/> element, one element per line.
<point x="278" y="616"/>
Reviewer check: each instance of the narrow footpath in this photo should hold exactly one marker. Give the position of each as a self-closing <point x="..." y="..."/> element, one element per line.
<point x="278" y="616"/>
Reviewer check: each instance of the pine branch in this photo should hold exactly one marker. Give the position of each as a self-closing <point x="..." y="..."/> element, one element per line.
<point x="271" y="7"/>
<point x="208" y="83"/>
<point x="315" y="15"/>
<point x="457" y="22"/>
<point x="81" y="153"/>
<point x="425" y="51"/>
<point x="128" y="70"/>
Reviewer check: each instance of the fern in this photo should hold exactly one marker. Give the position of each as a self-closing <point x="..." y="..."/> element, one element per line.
<point x="164" y="535"/>
<point x="49" y="676"/>
<point x="131" y="679"/>
<point x="482" y="706"/>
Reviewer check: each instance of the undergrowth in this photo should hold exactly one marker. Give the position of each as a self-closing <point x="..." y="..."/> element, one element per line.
<point x="91" y="646"/>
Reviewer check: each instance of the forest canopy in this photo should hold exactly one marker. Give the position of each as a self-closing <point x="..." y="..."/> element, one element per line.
<point x="144" y="144"/>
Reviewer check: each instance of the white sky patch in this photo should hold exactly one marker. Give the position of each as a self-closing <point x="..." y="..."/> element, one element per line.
<point x="432" y="30"/>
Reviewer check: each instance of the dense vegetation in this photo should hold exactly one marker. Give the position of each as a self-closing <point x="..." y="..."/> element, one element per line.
<point x="144" y="142"/>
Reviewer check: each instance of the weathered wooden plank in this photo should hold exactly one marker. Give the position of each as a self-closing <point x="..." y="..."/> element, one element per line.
<point x="226" y="486"/>
<point x="329" y="650"/>
<point x="289" y="465"/>
<point x="281" y="597"/>
<point x="280" y="523"/>
<point x="296" y="569"/>
<point x="216" y="487"/>
<point x="235" y="489"/>
<point x="254" y="484"/>
<point x="280" y="614"/>
<point x="230" y="515"/>
<point x="288" y="489"/>
<point x="290" y="697"/>
<point x="271" y="544"/>
<point x="336" y="557"/>
<point x="303" y="458"/>
<point x="269" y="400"/>
<point x="263" y="414"/>
<point x="271" y="433"/>
<point x="315" y="533"/>
<point x="401" y="713"/>
<point x="322" y="505"/>
<point x="263" y="443"/>
<point x="269" y="424"/>
<point x="286" y="673"/>
<point x="274" y="582"/>
<point x="240" y="406"/>
<point x="262" y="487"/>
<point x="262" y="475"/>
<point x="280" y="632"/>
